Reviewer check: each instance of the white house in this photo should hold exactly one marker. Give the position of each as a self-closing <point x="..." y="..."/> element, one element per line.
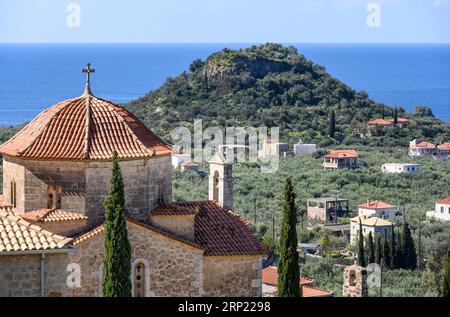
<point x="422" y="148"/>
<point x="301" y="148"/>
<point x="180" y="158"/>
<point x="375" y="225"/>
<point x="441" y="211"/>
<point x="378" y="208"/>
<point x="270" y="148"/>
<point x="398" y="168"/>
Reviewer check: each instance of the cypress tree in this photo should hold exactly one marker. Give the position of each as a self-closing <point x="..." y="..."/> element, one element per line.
<point x="332" y="125"/>
<point x="361" y="256"/>
<point x="395" y="116"/>
<point x="400" y="258"/>
<point x="408" y="249"/>
<point x="288" y="267"/>
<point x="445" y="291"/>
<point x="117" y="262"/>
<point x="371" y="252"/>
<point x="378" y="249"/>
<point x="393" y="263"/>
<point x="386" y="252"/>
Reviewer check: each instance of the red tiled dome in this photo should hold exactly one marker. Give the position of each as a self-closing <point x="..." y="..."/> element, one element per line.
<point x="85" y="128"/>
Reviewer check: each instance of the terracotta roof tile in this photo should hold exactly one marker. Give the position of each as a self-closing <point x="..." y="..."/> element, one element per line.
<point x="87" y="128"/>
<point x="190" y="164"/>
<point x="425" y="144"/>
<point x="270" y="277"/>
<point x="341" y="154"/>
<point x="17" y="234"/>
<point x="97" y="230"/>
<point x="445" y="146"/>
<point x="217" y="230"/>
<point x="376" y="204"/>
<point x="379" y="122"/>
<point x="87" y="235"/>
<point x="308" y="291"/>
<point x="371" y="221"/>
<point x="52" y="215"/>
<point x="445" y="201"/>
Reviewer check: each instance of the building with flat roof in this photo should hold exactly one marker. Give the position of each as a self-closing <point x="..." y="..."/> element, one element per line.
<point x="327" y="209"/>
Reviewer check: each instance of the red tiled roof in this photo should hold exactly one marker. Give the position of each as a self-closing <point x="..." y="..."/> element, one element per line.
<point x="97" y="230"/>
<point x="341" y="154"/>
<point x="375" y="204"/>
<point x="446" y="145"/>
<point x="174" y="209"/>
<point x="379" y="122"/>
<point x="308" y="291"/>
<point x="85" y="128"/>
<point x="445" y="201"/>
<point x="52" y="215"/>
<point x="217" y="230"/>
<point x="425" y="144"/>
<point x="404" y="120"/>
<point x="270" y="277"/>
<point x="190" y="164"/>
<point x="17" y="234"/>
<point x="87" y="235"/>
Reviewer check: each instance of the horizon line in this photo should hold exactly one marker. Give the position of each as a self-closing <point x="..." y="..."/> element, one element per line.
<point x="253" y="43"/>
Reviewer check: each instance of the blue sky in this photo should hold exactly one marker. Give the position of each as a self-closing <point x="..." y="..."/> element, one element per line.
<point x="225" y="21"/>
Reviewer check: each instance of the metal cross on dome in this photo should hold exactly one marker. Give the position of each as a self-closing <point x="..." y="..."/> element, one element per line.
<point x="88" y="71"/>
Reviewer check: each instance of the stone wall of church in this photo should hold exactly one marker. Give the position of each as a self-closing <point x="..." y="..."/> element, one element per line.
<point x="142" y="179"/>
<point x="179" y="225"/>
<point x="20" y="275"/>
<point x="174" y="268"/>
<point x="239" y="276"/>
<point x="71" y="176"/>
<point x="14" y="172"/>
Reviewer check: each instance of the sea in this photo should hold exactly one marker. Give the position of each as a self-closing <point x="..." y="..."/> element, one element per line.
<point x="34" y="77"/>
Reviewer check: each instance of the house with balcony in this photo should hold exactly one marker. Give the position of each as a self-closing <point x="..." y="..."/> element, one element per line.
<point x="327" y="209"/>
<point x="422" y="148"/>
<point x="441" y="210"/>
<point x="375" y="225"/>
<point x="337" y="159"/>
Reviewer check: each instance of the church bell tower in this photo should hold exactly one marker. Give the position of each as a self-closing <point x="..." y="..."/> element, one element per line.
<point x="221" y="179"/>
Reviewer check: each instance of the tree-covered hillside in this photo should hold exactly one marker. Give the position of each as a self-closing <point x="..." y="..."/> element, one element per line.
<point x="273" y="86"/>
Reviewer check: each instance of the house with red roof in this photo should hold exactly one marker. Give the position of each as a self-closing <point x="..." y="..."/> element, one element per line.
<point x="441" y="210"/>
<point x="422" y="148"/>
<point x="56" y="176"/>
<point x="337" y="159"/>
<point x="378" y="208"/>
<point x="401" y="122"/>
<point x="270" y="281"/>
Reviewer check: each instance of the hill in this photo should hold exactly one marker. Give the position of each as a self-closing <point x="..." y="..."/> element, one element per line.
<point x="274" y="86"/>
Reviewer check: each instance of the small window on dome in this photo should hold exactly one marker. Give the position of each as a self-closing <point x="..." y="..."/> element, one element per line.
<point x="54" y="196"/>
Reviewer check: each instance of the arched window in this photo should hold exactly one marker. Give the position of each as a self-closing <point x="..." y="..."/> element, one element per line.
<point x="13" y="194"/>
<point x="54" y="196"/>
<point x="216" y="186"/>
<point x="139" y="280"/>
<point x="352" y="278"/>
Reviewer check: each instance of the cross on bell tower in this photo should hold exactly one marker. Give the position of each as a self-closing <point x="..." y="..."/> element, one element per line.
<point x="88" y="72"/>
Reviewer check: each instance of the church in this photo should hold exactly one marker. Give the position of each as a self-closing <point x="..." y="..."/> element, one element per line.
<point x="56" y="177"/>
